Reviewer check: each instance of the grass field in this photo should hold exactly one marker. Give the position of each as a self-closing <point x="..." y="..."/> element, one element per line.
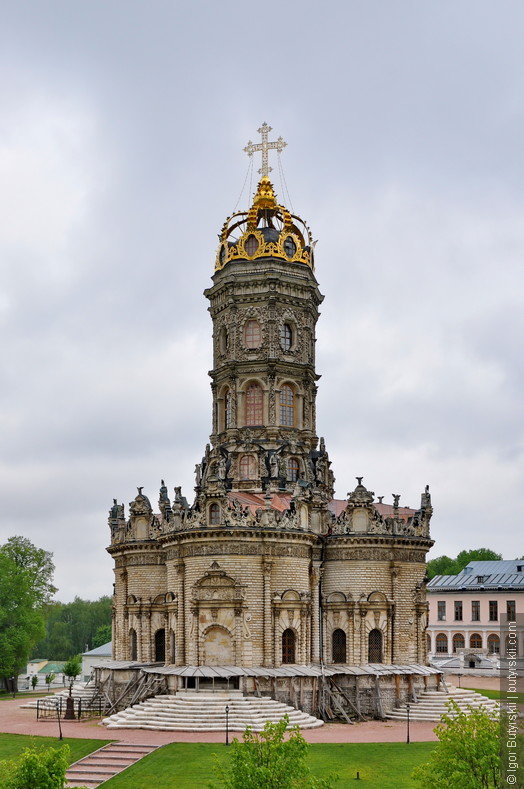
<point x="190" y="765"/>
<point x="497" y="694"/>
<point x="12" y="745"/>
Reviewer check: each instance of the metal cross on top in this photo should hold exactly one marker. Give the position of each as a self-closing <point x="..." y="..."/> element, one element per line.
<point x="265" y="146"/>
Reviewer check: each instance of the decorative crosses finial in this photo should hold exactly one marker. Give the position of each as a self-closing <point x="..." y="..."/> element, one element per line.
<point x="265" y="146"/>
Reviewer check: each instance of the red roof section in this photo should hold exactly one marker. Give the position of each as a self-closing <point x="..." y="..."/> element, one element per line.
<point x="280" y="502"/>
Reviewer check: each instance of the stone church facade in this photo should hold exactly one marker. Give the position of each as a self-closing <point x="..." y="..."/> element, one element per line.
<point x="265" y="568"/>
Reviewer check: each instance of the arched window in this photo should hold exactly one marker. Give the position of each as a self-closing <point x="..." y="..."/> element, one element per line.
<point x="441" y="644"/>
<point x="254" y="405"/>
<point x="251" y="245"/>
<point x="288" y="646"/>
<point x="512" y="647"/>
<point x="246" y="467"/>
<point x="287" y="406"/>
<point x="493" y="644"/>
<point x="293" y="469"/>
<point x="286" y="337"/>
<point x="338" y="644"/>
<point x="214" y="514"/>
<point x="252" y="334"/>
<point x="289" y="247"/>
<point x="475" y="641"/>
<point x="228" y="408"/>
<point x="172" y="646"/>
<point x="133" y="650"/>
<point x="375" y="646"/>
<point x="458" y="642"/>
<point x="160" y="646"/>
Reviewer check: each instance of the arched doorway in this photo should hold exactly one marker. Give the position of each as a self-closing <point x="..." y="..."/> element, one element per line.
<point x="218" y="647"/>
<point x="288" y="646"/>
<point x="160" y="646"/>
<point x="338" y="644"/>
<point x="375" y="646"/>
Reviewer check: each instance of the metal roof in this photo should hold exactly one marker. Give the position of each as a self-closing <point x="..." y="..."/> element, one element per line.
<point x="482" y="575"/>
<point x="226" y="672"/>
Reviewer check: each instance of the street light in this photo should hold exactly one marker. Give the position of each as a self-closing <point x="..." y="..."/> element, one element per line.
<point x="407" y="733"/>
<point x="227" y="724"/>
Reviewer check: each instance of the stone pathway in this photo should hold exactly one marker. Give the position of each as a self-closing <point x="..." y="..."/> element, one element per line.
<point x="101" y="765"/>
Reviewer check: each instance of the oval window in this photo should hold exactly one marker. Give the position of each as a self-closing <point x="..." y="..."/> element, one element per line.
<point x="290" y="247"/>
<point x="222" y="255"/>
<point x="251" y="246"/>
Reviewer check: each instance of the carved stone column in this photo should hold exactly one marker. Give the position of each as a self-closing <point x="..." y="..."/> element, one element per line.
<point x="315" y="612"/>
<point x="194" y="639"/>
<point x="180" y="645"/>
<point x="238" y="637"/>
<point x="267" y="619"/>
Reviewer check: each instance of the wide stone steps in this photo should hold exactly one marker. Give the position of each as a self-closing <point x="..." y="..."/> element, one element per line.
<point x="101" y="765"/>
<point x="205" y="712"/>
<point x="431" y="705"/>
<point x="78" y="692"/>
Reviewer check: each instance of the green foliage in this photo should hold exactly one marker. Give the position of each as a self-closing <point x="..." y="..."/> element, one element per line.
<point x="49" y="678"/>
<point x="103" y="636"/>
<point x="34" y="681"/>
<point x="467" y="754"/>
<point x="36" y="769"/>
<point x="71" y="627"/>
<point x="443" y="565"/>
<point x="73" y="667"/>
<point x="268" y="761"/>
<point x="22" y="594"/>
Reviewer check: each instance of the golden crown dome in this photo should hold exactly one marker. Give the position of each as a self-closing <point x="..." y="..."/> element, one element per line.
<point x="266" y="230"/>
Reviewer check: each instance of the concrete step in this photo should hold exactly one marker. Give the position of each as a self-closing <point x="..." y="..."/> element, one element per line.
<point x="431" y="705"/>
<point x="205" y="712"/>
<point x="99" y="766"/>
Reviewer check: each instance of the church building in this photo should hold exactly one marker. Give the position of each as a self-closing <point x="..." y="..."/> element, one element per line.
<point x="265" y="568"/>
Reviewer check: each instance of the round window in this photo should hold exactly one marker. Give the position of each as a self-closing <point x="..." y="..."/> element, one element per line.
<point x="290" y="247"/>
<point x="251" y="246"/>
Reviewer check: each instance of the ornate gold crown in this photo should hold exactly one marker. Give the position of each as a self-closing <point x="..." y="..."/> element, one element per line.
<point x="266" y="230"/>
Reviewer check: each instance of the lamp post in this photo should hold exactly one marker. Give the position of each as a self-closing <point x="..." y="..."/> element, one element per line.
<point x="227" y="724"/>
<point x="407" y="733"/>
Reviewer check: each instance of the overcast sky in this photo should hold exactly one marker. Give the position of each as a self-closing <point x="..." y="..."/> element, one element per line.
<point x="122" y="126"/>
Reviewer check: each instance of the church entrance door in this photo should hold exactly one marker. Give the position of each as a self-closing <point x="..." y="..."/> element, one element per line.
<point x="218" y="647"/>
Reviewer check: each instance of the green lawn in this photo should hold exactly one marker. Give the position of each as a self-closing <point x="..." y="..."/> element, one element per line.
<point x="189" y="765"/>
<point x="12" y="745"/>
<point x="497" y="694"/>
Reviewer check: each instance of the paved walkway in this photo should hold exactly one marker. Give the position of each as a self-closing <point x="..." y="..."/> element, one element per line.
<point x="14" y="720"/>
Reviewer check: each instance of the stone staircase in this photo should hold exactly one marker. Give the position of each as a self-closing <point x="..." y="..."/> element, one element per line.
<point x="82" y="692"/>
<point x="101" y="765"/>
<point x="200" y="711"/>
<point x="431" y="704"/>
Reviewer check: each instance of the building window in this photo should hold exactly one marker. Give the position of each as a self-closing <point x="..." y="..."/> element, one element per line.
<point x="493" y="645"/>
<point x="292" y="469"/>
<point x="133" y="650"/>
<point x="214" y="514"/>
<point x="246" y="467"/>
<point x="223" y="339"/>
<point x="289" y="247"/>
<point x="458" y="642"/>
<point x="338" y="643"/>
<point x="254" y="405"/>
<point x="251" y="246"/>
<point x="475" y="610"/>
<point x="286" y="337"/>
<point x="160" y="646"/>
<point x="288" y="646"/>
<point x="458" y="610"/>
<point x="441" y="644"/>
<point x="493" y="611"/>
<point x="287" y="406"/>
<point x="511" y="610"/>
<point x="229" y="408"/>
<point x="475" y="641"/>
<point x="375" y="646"/>
<point x="441" y="610"/>
<point x="252" y="334"/>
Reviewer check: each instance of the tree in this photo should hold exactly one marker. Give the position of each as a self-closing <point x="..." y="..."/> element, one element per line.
<point x="72" y="627"/>
<point x="72" y="669"/>
<point x="267" y="761"/>
<point x="443" y="565"/>
<point x="36" y="563"/>
<point x="467" y="754"/>
<point x="102" y="636"/>
<point x="21" y="619"/>
<point x="36" y="769"/>
<point x="49" y="679"/>
<point x="34" y="681"/>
